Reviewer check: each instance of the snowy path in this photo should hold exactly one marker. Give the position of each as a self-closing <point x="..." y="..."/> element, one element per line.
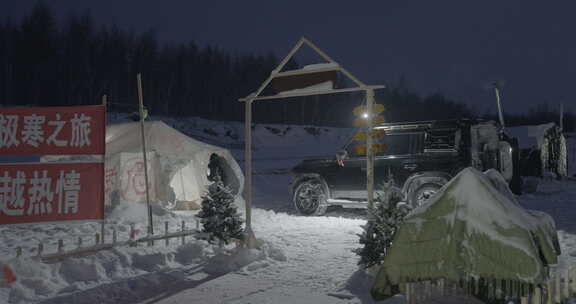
<point x="313" y="258"/>
<point x="557" y="198"/>
<point x="318" y="249"/>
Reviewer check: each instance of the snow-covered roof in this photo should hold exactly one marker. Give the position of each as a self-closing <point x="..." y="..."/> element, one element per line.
<point x="317" y="66"/>
<point x="324" y="86"/>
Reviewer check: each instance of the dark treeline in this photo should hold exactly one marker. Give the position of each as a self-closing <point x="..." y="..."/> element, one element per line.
<point x="75" y="63"/>
<point x="45" y="64"/>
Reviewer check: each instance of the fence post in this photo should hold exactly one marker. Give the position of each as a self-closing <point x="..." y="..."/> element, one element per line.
<point x="567" y="283"/>
<point x="102" y="231"/>
<point x="132" y="232"/>
<point x="167" y="240"/>
<point x="183" y="239"/>
<point x="40" y="248"/>
<point x="97" y="238"/>
<point x="572" y="280"/>
<point x="60" y="246"/>
<point x="549" y="291"/>
<point x="18" y="252"/>
<point x="563" y="289"/>
<point x="427" y="289"/>
<point x="79" y="242"/>
<point x="197" y="224"/>
<point x="114" y="236"/>
<point x="441" y="287"/>
<point x="409" y="294"/>
<point x="558" y="287"/>
<point x="537" y="297"/>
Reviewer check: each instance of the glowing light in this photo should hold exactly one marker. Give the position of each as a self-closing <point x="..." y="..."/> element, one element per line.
<point x="365" y="115"/>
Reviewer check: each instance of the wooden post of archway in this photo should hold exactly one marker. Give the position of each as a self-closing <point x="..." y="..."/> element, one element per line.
<point x="249" y="236"/>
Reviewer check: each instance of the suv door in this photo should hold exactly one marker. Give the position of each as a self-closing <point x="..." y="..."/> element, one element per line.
<point x="349" y="180"/>
<point x="402" y="157"/>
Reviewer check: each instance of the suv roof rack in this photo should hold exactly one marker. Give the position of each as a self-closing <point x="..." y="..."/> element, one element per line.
<point x="428" y="123"/>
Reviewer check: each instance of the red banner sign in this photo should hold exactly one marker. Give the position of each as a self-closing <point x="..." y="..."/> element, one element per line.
<point x="53" y="130"/>
<point x="51" y="192"/>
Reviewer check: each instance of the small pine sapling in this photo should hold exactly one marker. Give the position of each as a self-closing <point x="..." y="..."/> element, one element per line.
<point x="219" y="217"/>
<point x="384" y="218"/>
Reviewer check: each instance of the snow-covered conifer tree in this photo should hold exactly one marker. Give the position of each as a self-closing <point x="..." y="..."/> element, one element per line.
<point x="219" y="216"/>
<point x="384" y="218"/>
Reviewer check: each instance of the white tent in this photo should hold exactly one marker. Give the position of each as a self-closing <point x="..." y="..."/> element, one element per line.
<point x="178" y="166"/>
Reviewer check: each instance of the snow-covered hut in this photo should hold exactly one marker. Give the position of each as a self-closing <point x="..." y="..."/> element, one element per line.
<point x="470" y="230"/>
<point x="179" y="167"/>
<point x="543" y="149"/>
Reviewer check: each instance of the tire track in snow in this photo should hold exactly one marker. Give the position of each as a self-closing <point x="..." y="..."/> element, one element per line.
<point x="318" y="249"/>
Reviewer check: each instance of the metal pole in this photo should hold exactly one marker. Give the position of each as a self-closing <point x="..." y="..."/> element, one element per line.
<point x="369" y="149"/>
<point x="141" y="105"/>
<point x="249" y="237"/>
<point x="103" y="222"/>
<point x="500" y="113"/>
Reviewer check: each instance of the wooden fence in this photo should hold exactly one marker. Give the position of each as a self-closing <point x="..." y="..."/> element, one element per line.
<point x="88" y="246"/>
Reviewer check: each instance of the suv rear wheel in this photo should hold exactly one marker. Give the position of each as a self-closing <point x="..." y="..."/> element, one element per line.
<point x="423" y="193"/>
<point x="310" y="197"/>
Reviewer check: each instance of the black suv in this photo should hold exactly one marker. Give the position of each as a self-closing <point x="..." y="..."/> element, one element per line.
<point x="421" y="157"/>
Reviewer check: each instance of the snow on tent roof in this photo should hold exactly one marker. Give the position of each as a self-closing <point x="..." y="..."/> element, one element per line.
<point x="468" y="229"/>
<point x="179" y="164"/>
<point x="160" y="137"/>
<point x="530" y="136"/>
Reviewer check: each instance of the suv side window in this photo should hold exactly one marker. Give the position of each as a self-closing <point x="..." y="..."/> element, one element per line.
<point x="402" y="143"/>
<point x="442" y="140"/>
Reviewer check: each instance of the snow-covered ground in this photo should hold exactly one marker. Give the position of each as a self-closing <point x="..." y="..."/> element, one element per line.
<point x="301" y="260"/>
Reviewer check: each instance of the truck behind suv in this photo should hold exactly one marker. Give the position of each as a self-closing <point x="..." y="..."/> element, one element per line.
<point x="420" y="158"/>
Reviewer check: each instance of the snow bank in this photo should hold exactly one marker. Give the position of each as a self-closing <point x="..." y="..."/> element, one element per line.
<point x="224" y="263"/>
<point x="37" y="281"/>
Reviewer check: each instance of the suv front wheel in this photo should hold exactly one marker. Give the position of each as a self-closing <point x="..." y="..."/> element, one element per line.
<point x="310" y="197"/>
<point x="423" y="193"/>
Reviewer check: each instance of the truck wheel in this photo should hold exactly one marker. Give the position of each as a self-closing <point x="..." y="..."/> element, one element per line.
<point x="423" y="193"/>
<point x="310" y="197"/>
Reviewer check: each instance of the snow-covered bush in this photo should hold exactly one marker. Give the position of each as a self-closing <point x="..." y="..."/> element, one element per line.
<point x="219" y="216"/>
<point x="384" y="218"/>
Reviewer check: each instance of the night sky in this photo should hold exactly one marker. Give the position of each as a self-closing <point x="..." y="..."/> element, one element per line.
<point x="453" y="47"/>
